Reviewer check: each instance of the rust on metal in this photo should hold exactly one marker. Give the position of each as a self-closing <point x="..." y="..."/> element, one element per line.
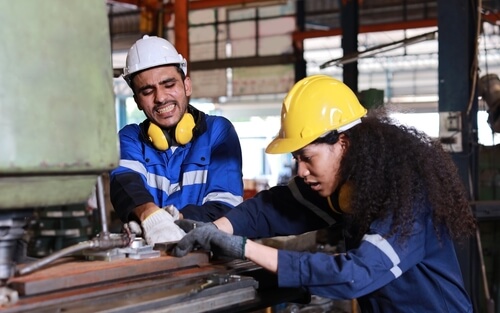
<point x="72" y="273"/>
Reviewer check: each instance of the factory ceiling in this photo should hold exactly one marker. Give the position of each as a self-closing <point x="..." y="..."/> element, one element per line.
<point x="322" y="17"/>
<point x="130" y="19"/>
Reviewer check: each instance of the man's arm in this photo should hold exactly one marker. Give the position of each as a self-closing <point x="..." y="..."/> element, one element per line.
<point x="207" y="212"/>
<point x="127" y="193"/>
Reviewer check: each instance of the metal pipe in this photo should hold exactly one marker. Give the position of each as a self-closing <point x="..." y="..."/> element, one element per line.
<point x="99" y="243"/>
<point x="101" y="206"/>
<point x="51" y="258"/>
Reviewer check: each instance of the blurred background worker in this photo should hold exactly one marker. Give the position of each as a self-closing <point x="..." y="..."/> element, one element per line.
<point x="395" y="191"/>
<point x="179" y="158"/>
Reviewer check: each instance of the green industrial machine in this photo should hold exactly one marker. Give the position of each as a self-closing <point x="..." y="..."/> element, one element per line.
<point x="57" y="121"/>
<point x="57" y="114"/>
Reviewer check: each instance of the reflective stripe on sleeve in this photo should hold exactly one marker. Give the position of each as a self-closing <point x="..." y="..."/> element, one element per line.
<point x="385" y="247"/>
<point x="162" y="183"/>
<point x="223" y="197"/>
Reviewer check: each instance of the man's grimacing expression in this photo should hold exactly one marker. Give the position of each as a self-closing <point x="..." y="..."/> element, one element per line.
<point x="162" y="94"/>
<point x="319" y="164"/>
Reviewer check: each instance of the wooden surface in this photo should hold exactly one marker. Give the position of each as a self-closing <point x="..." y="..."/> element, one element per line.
<point x="71" y="273"/>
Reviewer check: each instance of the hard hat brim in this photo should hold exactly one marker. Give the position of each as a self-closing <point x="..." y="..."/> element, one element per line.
<point x="288" y="145"/>
<point x="283" y="145"/>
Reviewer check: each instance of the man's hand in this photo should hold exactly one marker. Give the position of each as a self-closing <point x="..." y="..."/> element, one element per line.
<point x="172" y="210"/>
<point x="133" y="227"/>
<point x="211" y="238"/>
<point x="160" y="227"/>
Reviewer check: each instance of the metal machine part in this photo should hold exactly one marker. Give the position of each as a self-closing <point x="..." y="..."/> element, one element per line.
<point x="132" y="286"/>
<point x="56" y="227"/>
<point x="101" y="243"/>
<point x="190" y="284"/>
<point x="105" y="244"/>
<point x="12" y="225"/>
<point x="11" y="231"/>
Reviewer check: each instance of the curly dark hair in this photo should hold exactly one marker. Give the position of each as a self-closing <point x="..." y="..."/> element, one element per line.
<point x="392" y="167"/>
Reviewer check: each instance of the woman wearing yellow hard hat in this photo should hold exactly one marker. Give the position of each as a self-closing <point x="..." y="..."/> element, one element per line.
<point x="395" y="192"/>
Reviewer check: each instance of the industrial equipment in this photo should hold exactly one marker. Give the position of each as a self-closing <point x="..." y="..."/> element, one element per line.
<point x="58" y="131"/>
<point x="489" y="89"/>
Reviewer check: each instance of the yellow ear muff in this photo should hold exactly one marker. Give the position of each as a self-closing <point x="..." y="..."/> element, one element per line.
<point x="184" y="129"/>
<point x="183" y="133"/>
<point x="157" y="137"/>
<point x="344" y="199"/>
<point x="345" y="194"/>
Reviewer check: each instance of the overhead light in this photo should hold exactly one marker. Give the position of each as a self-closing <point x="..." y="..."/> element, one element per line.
<point x="489" y="90"/>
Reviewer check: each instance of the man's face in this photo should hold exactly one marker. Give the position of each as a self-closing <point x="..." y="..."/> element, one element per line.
<point x="319" y="164"/>
<point x="162" y="95"/>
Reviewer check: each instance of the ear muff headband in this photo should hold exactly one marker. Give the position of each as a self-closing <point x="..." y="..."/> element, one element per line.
<point x="183" y="133"/>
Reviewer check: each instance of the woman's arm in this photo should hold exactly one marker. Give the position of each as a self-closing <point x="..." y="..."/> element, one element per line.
<point x="264" y="256"/>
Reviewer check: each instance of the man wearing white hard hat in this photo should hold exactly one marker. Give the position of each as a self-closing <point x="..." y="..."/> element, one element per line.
<point x="179" y="162"/>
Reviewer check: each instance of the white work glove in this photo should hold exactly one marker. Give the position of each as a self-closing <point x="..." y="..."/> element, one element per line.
<point x="158" y="227"/>
<point x="172" y="210"/>
<point x="134" y="228"/>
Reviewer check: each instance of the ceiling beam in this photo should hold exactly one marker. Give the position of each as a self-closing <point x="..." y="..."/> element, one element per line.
<point x="366" y="29"/>
<point x="208" y="4"/>
<point x="155" y="5"/>
<point x="243" y="62"/>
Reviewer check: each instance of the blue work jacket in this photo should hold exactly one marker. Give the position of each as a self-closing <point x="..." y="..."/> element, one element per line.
<point x="385" y="275"/>
<point x="203" y="179"/>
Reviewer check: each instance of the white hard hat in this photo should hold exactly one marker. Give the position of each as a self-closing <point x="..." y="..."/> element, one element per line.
<point x="151" y="51"/>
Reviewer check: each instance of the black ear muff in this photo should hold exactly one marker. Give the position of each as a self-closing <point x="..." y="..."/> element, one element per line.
<point x="184" y="129"/>
<point x="158" y="137"/>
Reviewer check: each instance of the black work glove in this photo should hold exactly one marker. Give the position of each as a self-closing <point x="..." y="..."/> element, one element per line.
<point x="213" y="239"/>
<point x="188" y="225"/>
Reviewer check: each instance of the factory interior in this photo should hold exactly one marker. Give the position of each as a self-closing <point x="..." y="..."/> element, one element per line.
<point x="433" y="64"/>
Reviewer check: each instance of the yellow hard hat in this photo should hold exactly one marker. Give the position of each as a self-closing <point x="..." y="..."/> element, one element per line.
<point x="313" y="107"/>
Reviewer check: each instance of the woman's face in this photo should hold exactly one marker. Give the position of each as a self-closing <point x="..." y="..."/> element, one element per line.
<point x="319" y="164"/>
